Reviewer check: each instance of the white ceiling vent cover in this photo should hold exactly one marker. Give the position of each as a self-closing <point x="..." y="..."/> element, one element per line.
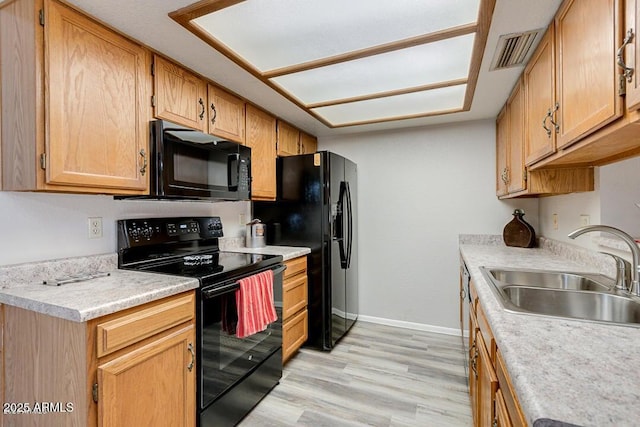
<point x="514" y="49"/>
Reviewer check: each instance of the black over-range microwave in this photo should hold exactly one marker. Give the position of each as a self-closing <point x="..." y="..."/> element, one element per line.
<point x="187" y="164"/>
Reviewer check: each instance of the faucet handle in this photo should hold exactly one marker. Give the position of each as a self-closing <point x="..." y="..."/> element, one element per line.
<point x="623" y="273"/>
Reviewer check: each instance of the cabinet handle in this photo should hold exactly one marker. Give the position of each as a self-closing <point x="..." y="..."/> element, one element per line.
<point x="193" y="357"/>
<point x="143" y="169"/>
<point x="551" y="113"/>
<point x="215" y="114"/>
<point x="201" y="102"/>
<point x="495" y="423"/>
<point x="627" y="72"/>
<point x="544" y="123"/>
<point x="505" y="176"/>
<point x="463" y="294"/>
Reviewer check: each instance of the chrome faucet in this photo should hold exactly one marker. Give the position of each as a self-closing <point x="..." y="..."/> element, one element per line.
<point x="635" y="251"/>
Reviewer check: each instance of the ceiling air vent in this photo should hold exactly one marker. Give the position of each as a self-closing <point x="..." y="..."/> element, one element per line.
<point x="514" y="49"/>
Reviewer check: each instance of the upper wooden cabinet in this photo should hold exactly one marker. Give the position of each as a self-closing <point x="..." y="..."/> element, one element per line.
<point x="226" y="114"/>
<point x="292" y="141"/>
<point x="587" y="38"/>
<point x="261" y="137"/>
<point x="179" y="95"/>
<point x="308" y="143"/>
<point x="288" y="139"/>
<point x="513" y="179"/>
<point x="74" y="97"/>
<point x="539" y="86"/>
<point x="630" y="57"/>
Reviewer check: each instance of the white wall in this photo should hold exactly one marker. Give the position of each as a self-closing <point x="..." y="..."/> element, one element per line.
<point x="37" y="227"/>
<point x="418" y="190"/>
<point x="613" y="203"/>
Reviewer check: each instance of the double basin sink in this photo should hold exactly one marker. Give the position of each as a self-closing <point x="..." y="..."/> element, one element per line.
<point x="584" y="296"/>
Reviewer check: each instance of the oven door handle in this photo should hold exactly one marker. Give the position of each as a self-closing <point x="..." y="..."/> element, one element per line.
<point x="212" y="293"/>
<point x="279" y="270"/>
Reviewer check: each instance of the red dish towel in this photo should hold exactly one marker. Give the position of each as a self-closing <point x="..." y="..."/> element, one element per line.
<point x="255" y="304"/>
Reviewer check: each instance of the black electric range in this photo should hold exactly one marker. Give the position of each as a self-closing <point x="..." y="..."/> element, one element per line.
<point x="233" y="373"/>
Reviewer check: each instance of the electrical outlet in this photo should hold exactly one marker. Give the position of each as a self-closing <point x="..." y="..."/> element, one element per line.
<point x="584" y="220"/>
<point x="555" y="221"/>
<point x="95" y="227"/>
<point x="242" y="219"/>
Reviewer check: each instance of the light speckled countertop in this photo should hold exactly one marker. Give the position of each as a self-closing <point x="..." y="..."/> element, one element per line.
<point x="563" y="371"/>
<point x="21" y="286"/>
<point x="287" y="252"/>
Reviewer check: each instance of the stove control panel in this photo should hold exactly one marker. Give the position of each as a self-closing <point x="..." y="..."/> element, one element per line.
<point x="142" y="232"/>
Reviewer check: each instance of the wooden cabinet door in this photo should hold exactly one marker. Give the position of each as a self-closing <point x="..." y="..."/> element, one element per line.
<point x="502" y="415"/>
<point x="539" y="84"/>
<point x="261" y="137"/>
<point x="288" y="139"/>
<point x="632" y="54"/>
<point x="502" y="151"/>
<point x="179" y="96"/>
<point x="517" y="175"/>
<point x="96" y="120"/>
<point x="308" y="143"/>
<point x="131" y="393"/>
<point x="587" y="38"/>
<point x="226" y="114"/>
<point x="487" y="384"/>
<point x="474" y="332"/>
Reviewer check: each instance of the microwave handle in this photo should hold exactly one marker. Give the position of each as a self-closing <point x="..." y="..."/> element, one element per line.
<point x="232" y="172"/>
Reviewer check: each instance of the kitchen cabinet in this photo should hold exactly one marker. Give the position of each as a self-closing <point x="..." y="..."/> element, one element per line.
<point x="226" y="114"/>
<point x="261" y="138"/>
<point x="294" y="306"/>
<point x="539" y="86"/>
<point x="292" y="141"/>
<point x="510" y="141"/>
<point x="513" y="179"/>
<point x="593" y="126"/>
<point x="135" y="367"/>
<point x="586" y="74"/>
<point x="178" y="95"/>
<point x="75" y="102"/>
<point x="491" y="392"/>
<point x="308" y="143"/>
<point x="288" y="139"/>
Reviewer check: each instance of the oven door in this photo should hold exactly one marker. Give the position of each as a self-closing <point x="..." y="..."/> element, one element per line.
<point x="225" y="359"/>
<point x="195" y="164"/>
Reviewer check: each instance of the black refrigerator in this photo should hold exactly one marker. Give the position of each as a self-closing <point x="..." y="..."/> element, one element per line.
<point x="316" y="207"/>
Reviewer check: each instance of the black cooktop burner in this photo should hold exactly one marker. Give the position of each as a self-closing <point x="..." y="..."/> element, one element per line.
<point x="225" y="265"/>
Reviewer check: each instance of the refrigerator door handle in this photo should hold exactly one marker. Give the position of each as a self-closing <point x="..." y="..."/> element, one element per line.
<point x="339" y="223"/>
<point x="349" y="226"/>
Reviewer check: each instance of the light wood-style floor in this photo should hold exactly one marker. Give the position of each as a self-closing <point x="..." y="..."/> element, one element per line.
<point x="376" y="376"/>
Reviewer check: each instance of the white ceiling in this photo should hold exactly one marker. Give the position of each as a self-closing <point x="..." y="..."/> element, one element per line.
<point x="148" y="22"/>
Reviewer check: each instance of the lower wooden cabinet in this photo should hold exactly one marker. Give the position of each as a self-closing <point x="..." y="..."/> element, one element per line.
<point x="493" y="400"/>
<point x="146" y="375"/>
<point x="294" y="307"/>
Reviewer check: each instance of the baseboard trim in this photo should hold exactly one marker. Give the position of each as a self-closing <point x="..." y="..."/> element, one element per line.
<point x="411" y="325"/>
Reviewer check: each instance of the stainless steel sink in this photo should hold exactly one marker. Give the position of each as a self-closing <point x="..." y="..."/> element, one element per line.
<point x="598" y="306"/>
<point x="583" y="296"/>
<point x="552" y="279"/>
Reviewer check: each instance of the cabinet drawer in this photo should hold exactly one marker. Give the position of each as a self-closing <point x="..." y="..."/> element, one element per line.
<point x="295" y="266"/>
<point x="294" y="334"/>
<point x="510" y="401"/>
<point x="142" y="323"/>
<point x="487" y="335"/>
<point x="294" y="295"/>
